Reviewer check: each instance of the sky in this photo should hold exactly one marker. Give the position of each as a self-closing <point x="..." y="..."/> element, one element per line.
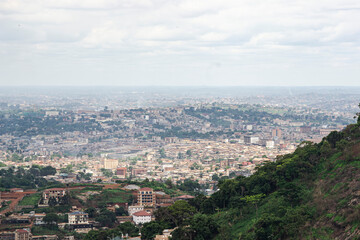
<point x="179" y="42"/>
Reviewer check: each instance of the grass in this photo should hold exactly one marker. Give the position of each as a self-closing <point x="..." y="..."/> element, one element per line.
<point x="337" y="186"/>
<point x="339" y="219"/>
<point x="355" y="164"/>
<point x="112" y="196"/>
<point x="32" y="199"/>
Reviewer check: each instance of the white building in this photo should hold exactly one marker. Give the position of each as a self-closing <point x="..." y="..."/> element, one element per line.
<point x="78" y="218"/>
<point x="270" y="144"/>
<point x="134" y="209"/>
<point x="141" y="217"/>
<point x="39" y="218"/>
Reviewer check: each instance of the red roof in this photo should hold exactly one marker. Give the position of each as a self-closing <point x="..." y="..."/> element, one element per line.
<point x="142" y="213"/>
<point x="145" y="189"/>
<point x="21" y="231"/>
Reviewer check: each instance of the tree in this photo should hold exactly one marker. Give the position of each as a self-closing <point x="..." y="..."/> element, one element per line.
<point x="149" y="230"/>
<point x="162" y="153"/>
<point x="48" y="170"/>
<point x="208" y="206"/>
<point x="215" y="177"/>
<point x="204" y="226"/>
<point x="181" y="212"/>
<point x="106" y="218"/>
<point x="188" y="153"/>
<point x="52" y="202"/>
<point x="128" y="228"/>
<point x="91" y="212"/>
<point x="106" y="172"/>
<point x="358" y="116"/>
<point x="254" y="199"/>
<point x="168" y="183"/>
<point x="51" y="219"/>
<point x="120" y="211"/>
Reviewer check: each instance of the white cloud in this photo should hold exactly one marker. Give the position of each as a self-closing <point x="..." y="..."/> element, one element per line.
<point x="235" y="33"/>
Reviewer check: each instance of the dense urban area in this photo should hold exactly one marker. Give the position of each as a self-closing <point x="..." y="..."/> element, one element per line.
<point x="156" y="164"/>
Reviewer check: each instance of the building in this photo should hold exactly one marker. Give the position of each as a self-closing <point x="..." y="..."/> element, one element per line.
<point x="270" y="144"/>
<point x="57" y="193"/>
<point x="16" y="190"/>
<point x="18" y="234"/>
<point x="134" y="209"/>
<point x="171" y="139"/>
<point x="138" y="171"/>
<point x="79" y="222"/>
<point x="305" y="129"/>
<point x="22" y="234"/>
<point x="276" y="133"/>
<point x="45" y="237"/>
<point x="110" y="163"/>
<point x="141" y="217"/>
<point x="121" y="172"/>
<point x="78" y="218"/>
<point x="7" y="235"/>
<point x="165" y="235"/>
<point x="251" y="140"/>
<point x="146" y="197"/>
<point x="39" y="218"/>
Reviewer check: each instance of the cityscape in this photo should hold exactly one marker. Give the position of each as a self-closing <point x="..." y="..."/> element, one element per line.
<point x="179" y="120"/>
<point x="127" y="161"/>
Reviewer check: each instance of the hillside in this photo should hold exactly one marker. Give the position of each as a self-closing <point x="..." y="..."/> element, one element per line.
<point x="313" y="193"/>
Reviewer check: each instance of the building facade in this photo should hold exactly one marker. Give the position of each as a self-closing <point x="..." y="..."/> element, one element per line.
<point x="146" y="197"/>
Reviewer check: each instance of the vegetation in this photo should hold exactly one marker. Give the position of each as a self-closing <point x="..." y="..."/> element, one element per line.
<point x="26" y="179"/>
<point x="126" y="228"/>
<point x="309" y="194"/>
<point x="30" y="200"/>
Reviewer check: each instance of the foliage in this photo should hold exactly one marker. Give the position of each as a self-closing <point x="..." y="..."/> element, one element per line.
<point x="122" y="229"/>
<point x="106" y="218"/>
<point x="107" y="172"/>
<point x="51" y="219"/>
<point x="149" y="230"/>
<point x="21" y="178"/>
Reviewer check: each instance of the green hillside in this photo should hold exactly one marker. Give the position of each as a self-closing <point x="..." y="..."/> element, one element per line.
<point x="313" y="193"/>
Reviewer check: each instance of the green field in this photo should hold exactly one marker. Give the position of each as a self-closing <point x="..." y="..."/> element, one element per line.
<point x="30" y="200"/>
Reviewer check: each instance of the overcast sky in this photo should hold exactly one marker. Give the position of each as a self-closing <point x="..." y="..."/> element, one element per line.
<point x="179" y="42"/>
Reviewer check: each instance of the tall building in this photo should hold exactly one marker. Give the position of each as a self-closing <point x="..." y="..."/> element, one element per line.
<point x="110" y="163"/>
<point x="146" y="197"/>
<point x="276" y="132"/>
<point x="251" y="140"/>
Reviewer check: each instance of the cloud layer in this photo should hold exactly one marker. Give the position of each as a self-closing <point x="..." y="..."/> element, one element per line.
<point x="179" y="42"/>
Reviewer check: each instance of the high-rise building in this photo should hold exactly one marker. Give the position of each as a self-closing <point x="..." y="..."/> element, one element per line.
<point x="276" y="132"/>
<point x="110" y="163"/>
<point x="146" y="197"/>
